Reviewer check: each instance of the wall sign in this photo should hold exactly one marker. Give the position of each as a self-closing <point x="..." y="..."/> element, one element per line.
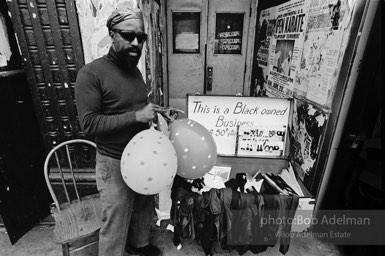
<point x="227" y="116"/>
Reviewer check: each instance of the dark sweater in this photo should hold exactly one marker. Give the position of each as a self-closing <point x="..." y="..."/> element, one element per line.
<point x="107" y="97"/>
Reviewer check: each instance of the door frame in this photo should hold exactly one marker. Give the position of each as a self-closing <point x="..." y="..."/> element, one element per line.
<point x="249" y="49"/>
<point x="249" y="26"/>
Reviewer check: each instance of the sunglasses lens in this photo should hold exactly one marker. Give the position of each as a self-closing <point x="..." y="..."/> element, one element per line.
<point x="130" y="36"/>
<point x="141" y="38"/>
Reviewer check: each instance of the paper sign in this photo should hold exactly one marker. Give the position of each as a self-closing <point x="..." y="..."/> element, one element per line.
<point x="216" y="177"/>
<point x="261" y="141"/>
<point x="222" y="115"/>
<point x="187" y="41"/>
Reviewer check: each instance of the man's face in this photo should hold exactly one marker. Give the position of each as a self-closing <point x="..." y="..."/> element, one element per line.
<point x="128" y="51"/>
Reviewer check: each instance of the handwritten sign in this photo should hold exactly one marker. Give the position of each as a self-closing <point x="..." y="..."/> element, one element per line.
<point x="261" y="140"/>
<point x="222" y="115"/>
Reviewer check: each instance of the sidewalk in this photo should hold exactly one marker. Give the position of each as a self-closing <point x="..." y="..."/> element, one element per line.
<point x="39" y="242"/>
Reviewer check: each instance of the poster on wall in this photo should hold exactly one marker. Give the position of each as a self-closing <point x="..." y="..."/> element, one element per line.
<point x="322" y="48"/>
<point x="306" y="130"/>
<point x="266" y="26"/>
<point x="5" y="49"/>
<point x="281" y="38"/>
<point x="224" y="116"/>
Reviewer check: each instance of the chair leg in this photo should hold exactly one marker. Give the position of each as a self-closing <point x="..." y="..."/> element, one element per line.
<point x="66" y="249"/>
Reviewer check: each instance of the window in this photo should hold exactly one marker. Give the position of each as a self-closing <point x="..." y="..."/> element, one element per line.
<point x="186" y="32"/>
<point x="228" y="33"/>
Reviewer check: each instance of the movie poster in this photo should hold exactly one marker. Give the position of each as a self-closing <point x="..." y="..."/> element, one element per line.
<point x="307" y="128"/>
<point x="322" y="50"/>
<point x="281" y="39"/>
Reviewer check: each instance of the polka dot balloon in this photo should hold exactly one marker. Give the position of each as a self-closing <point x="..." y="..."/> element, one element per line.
<point x="195" y="147"/>
<point x="149" y="162"/>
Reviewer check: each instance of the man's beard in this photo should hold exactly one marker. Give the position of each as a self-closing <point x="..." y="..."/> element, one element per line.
<point x="128" y="61"/>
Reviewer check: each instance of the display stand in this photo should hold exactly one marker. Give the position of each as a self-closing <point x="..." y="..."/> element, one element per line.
<point x="231" y="119"/>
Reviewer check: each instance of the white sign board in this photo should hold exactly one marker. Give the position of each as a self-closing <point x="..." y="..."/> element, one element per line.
<point x="222" y="115"/>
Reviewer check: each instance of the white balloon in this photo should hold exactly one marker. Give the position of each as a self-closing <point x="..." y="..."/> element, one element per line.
<point x="149" y="162"/>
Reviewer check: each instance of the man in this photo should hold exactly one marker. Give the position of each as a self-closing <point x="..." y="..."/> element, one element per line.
<point x="286" y="64"/>
<point x="276" y="61"/>
<point x="112" y="105"/>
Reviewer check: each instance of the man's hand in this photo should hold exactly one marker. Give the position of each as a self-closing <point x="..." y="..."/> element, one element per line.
<point x="170" y="113"/>
<point x="148" y="113"/>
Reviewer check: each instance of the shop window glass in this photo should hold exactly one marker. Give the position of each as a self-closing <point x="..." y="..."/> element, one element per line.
<point x="186" y="32"/>
<point x="228" y="33"/>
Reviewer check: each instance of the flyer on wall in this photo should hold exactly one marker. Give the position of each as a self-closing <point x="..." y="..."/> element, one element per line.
<point x="307" y="128"/>
<point x="322" y="50"/>
<point x="281" y="37"/>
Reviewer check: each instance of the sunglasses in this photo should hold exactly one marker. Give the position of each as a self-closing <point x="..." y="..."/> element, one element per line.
<point x="130" y="36"/>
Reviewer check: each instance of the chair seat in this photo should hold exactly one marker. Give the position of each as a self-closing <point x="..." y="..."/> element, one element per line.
<point x="77" y="219"/>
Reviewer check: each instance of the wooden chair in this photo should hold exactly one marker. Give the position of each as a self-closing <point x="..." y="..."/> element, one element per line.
<point x="77" y="218"/>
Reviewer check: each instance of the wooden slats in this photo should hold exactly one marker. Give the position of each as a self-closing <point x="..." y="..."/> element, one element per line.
<point x="14" y="9"/>
<point x="49" y="39"/>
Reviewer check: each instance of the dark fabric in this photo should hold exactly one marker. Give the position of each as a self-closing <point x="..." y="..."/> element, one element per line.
<point x="235" y="200"/>
<point x="198" y="214"/>
<point x="275" y="206"/>
<point x="182" y="215"/>
<point x="268" y="189"/>
<point x="271" y="211"/>
<point x="107" y="97"/>
<point x="226" y="215"/>
<point x="256" y="225"/>
<point x="177" y="238"/>
<point x="213" y="221"/>
<point x="237" y="184"/>
<point x="211" y="207"/>
<point x="248" y="211"/>
<point x="233" y="184"/>
<point x="209" y="232"/>
<point x="289" y="205"/>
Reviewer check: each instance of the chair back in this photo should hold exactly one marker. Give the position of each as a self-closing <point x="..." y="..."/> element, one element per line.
<point x="65" y="160"/>
<point x="67" y="165"/>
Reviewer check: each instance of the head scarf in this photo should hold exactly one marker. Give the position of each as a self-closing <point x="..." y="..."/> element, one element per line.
<point x="121" y="13"/>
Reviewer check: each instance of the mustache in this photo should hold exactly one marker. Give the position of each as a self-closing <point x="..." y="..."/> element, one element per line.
<point x="133" y="49"/>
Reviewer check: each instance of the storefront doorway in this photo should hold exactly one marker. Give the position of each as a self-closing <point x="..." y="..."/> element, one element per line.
<point x="209" y="47"/>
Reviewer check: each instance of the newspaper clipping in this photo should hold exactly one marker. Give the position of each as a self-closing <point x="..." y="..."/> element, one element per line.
<point x="302" y="43"/>
<point x="322" y="48"/>
<point x="281" y="35"/>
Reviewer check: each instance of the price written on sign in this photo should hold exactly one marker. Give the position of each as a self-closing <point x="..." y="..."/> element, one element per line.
<point x="261" y="141"/>
<point x="222" y="115"/>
